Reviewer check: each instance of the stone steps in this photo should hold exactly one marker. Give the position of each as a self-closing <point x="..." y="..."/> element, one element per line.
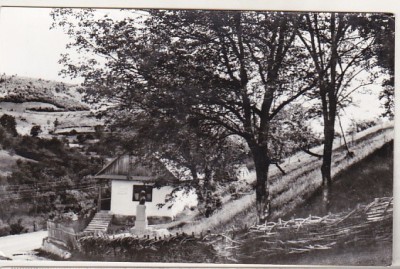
<point x="99" y="223"/>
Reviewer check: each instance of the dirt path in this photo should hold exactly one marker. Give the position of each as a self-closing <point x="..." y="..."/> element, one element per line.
<point x="21" y="246"/>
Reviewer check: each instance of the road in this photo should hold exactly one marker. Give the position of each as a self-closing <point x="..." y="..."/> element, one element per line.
<point x="20" y="246"/>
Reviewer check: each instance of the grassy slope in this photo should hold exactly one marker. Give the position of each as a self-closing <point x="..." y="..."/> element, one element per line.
<point x="301" y="181"/>
<point x="36" y="93"/>
<point x="21" y="89"/>
<point x="26" y="119"/>
<point x="18" y="96"/>
<point x="373" y="176"/>
<point x="7" y="160"/>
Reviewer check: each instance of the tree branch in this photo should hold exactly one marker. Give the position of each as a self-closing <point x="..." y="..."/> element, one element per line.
<point x="311" y="153"/>
<point x="291" y="99"/>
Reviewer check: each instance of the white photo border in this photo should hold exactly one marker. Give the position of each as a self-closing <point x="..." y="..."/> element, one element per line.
<point x="388" y="6"/>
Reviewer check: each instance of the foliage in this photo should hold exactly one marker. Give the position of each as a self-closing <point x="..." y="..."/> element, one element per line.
<point x="171" y="249"/>
<point x="361" y="125"/>
<point x="219" y="74"/>
<point x="9" y="124"/>
<point x="229" y="72"/>
<point x="340" y="55"/>
<point x="43" y="184"/>
<point x="17" y="228"/>
<point x="4" y="229"/>
<point x="383" y="29"/>
<point x="19" y="90"/>
<point x="35" y="130"/>
<point x="56" y="123"/>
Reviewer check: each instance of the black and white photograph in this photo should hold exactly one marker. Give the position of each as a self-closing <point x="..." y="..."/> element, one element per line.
<point x="150" y="135"/>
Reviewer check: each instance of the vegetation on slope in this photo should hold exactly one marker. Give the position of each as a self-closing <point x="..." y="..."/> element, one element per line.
<point x="19" y="90"/>
<point x="300" y="182"/>
<point x="47" y="183"/>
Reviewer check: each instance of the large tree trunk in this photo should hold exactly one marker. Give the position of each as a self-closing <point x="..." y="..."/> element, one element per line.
<point x="263" y="202"/>
<point x="329" y="104"/>
<point x="329" y="132"/>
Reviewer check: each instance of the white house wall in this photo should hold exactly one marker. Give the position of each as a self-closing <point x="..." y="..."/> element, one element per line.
<point x="122" y="204"/>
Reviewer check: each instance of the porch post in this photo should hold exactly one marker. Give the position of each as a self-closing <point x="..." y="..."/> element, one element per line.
<point x="99" y="200"/>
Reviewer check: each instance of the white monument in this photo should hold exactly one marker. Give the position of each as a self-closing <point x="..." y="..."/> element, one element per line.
<point x="141" y="227"/>
<point x="141" y="218"/>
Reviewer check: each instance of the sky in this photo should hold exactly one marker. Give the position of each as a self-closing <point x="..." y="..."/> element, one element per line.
<point x="29" y="48"/>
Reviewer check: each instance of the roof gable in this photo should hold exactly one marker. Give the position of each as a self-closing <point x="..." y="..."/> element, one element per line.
<point x="129" y="167"/>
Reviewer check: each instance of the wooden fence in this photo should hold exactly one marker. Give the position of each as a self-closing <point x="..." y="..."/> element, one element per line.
<point x="63" y="235"/>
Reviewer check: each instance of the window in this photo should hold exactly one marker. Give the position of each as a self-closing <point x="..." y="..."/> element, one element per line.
<point x="137" y="189"/>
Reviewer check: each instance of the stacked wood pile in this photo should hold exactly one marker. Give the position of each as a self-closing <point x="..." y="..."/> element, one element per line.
<point x="363" y="225"/>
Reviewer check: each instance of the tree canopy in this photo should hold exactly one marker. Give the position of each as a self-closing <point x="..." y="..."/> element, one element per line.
<point x="213" y="73"/>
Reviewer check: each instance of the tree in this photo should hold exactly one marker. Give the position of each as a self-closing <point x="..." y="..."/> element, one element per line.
<point x="35" y="130"/>
<point x="382" y="27"/>
<point x="56" y="123"/>
<point x="202" y="162"/>
<point x="233" y="72"/>
<point x="9" y="124"/>
<point x="340" y="54"/>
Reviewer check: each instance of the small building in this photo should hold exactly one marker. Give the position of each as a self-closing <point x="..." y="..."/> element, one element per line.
<point x="127" y="176"/>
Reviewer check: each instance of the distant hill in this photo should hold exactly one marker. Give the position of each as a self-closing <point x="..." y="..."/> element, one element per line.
<point x="63" y="97"/>
<point x="54" y="106"/>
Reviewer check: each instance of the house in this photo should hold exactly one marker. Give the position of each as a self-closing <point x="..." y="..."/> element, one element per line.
<point x="127" y="176"/>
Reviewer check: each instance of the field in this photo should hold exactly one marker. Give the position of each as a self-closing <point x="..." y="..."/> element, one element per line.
<point x="52" y="105"/>
<point x="60" y="95"/>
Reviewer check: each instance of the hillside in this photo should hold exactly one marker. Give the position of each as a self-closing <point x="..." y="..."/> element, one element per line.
<point x="7" y="160"/>
<point x="301" y="181"/>
<point x="53" y="106"/>
<point x="59" y="96"/>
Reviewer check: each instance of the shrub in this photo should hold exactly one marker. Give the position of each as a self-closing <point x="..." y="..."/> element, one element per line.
<point x="9" y="124"/>
<point x="17" y="228"/>
<point x="36" y="130"/>
<point x="4" y="229"/>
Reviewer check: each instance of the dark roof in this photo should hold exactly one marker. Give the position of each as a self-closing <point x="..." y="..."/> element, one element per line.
<point x="129" y="167"/>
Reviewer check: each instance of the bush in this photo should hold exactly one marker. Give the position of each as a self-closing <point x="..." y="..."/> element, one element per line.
<point x="42" y="109"/>
<point x="9" y="124"/>
<point x="36" y="130"/>
<point x="4" y="229"/>
<point x="17" y="228"/>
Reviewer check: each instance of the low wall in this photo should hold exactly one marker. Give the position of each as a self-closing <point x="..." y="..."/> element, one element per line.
<point x="51" y="247"/>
